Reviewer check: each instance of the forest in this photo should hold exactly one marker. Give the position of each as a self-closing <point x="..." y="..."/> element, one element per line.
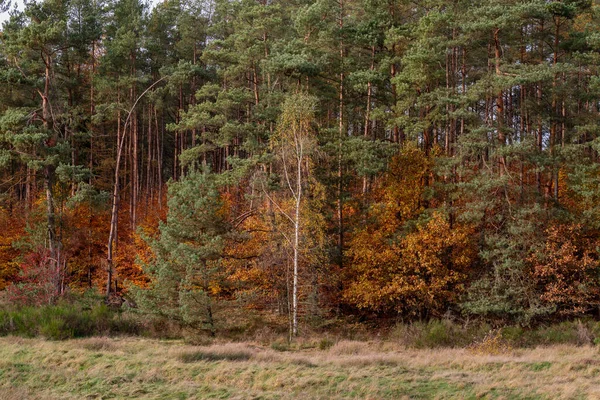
<point x="371" y="160"/>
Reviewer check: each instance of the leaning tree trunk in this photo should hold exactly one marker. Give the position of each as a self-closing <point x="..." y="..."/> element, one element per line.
<point x="115" y="197"/>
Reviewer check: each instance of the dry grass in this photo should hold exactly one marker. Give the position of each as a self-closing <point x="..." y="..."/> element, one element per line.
<point x="98" y="344"/>
<point x="491" y="344"/>
<point x="151" y="369"/>
<point x="226" y="352"/>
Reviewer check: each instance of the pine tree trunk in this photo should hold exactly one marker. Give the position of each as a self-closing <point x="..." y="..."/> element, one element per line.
<point x="340" y="206"/>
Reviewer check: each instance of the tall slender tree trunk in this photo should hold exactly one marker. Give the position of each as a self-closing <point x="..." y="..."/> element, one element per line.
<point x="340" y="205"/>
<point x="499" y="102"/>
<point x="112" y="235"/>
<point x="365" y="185"/>
<point x="296" y="248"/>
<point x="555" y="113"/>
<point x="49" y="181"/>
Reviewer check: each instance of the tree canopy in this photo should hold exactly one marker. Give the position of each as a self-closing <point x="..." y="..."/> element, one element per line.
<point x="362" y="157"/>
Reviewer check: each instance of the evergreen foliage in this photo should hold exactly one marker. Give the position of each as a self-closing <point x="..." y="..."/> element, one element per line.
<point x="363" y="157"/>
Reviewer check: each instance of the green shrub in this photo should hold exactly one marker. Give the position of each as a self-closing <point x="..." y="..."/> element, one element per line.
<point x="513" y="334"/>
<point x="563" y="333"/>
<point x="577" y="333"/>
<point x="445" y="333"/>
<point x="56" y="329"/>
<point x="438" y="333"/>
<point x="281" y="345"/>
<point x="325" y="343"/>
<point x="65" y="321"/>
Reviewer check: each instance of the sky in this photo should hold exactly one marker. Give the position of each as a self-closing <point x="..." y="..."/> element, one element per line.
<point x="5" y="15"/>
<point x="19" y="4"/>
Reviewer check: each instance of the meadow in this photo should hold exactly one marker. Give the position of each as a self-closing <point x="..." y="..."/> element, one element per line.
<point x="105" y="368"/>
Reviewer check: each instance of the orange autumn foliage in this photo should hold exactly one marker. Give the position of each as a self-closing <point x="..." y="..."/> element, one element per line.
<point x="133" y="250"/>
<point x="399" y="265"/>
<point x="566" y="269"/>
<point x="250" y="262"/>
<point x="12" y="229"/>
<point x="419" y="273"/>
<point x="84" y="245"/>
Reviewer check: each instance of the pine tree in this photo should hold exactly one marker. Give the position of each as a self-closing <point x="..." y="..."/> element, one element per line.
<point x="186" y="275"/>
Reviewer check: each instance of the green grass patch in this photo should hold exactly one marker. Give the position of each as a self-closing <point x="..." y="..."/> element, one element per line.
<point x="539" y="366"/>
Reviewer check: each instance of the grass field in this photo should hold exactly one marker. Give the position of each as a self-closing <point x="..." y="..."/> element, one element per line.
<point x="137" y="368"/>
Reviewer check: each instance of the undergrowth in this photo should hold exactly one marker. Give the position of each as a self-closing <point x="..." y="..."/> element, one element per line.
<point x="449" y="334"/>
<point x="77" y="319"/>
<point x="66" y="321"/>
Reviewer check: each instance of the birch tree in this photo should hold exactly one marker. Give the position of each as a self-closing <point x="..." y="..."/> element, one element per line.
<point x="294" y="143"/>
